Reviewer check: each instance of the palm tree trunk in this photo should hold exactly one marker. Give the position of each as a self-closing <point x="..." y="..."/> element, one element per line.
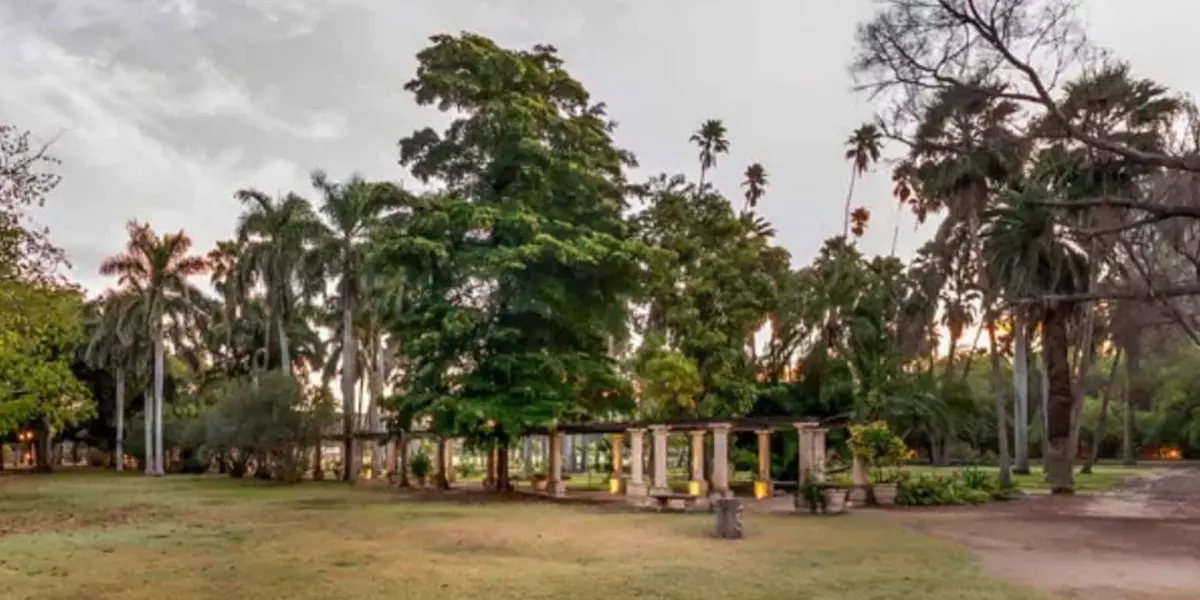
<point x="148" y="417"/>
<point x="285" y="353"/>
<point x="997" y="378"/>
<point x="849" y="198"/>
<point x="1020" y="396"/>
<point x="349" y="355"/>
<point x="120" y="418"/>
<point x="376" y="390"/>
<point x="1060" y="399"/>
<point x="158" y="404"/>
<point x="1098" y="435"/>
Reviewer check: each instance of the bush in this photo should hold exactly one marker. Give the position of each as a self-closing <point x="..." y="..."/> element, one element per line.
<point x="421" y="465"/>
<point x="970" y="486"/>
<point x="468" y="470"/>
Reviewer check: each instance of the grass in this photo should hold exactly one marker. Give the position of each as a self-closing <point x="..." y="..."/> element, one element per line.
<point x="99" y="536"/>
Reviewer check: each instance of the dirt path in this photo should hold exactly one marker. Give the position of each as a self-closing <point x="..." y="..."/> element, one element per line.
<point x="1139" y="543"/>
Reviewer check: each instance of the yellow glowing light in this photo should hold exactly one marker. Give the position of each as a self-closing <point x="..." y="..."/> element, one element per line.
<point x="760" y="490"/>
<point x="614" y="485"/>
<point x="693" y="488"/>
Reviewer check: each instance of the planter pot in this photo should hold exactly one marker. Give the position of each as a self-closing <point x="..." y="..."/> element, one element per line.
<point x="420" y="482"/>
<point x="835" y="501"/>
<point x="540" y="484"/>
<point x="857" y="496"/>
<point x="885" y="494"/>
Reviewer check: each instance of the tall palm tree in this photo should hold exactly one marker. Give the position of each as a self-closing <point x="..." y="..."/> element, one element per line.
<point x="351" y="209"/>
<point x="712" y="141"/>
<point x="276" y="235"/>
<point x="862" y="150"/>
<point x="119" y="344"/>
<point x="755" y="184"/>
<point x="1030" y="254"/>
<point x="155" y="271"/>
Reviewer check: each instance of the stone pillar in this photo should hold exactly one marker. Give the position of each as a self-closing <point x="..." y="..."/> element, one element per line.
<point x="697" y="486"/>
<point x="451" y="476"/>
<point x="616" y="483"/>
<point x="720" y="466"/>
<point x="762" y="483"/>
<point x="636" y="486"/>
<point x="818" y="453"/>
<point x="527" y="457"/>
<point x="658" y="483"/>
<point x="805" y="448"/>
<point x="556" y="486"/>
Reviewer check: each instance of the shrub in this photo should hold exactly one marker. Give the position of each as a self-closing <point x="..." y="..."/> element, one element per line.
<point x="468" y="470"/>
<point x="421" y="465"/>
<point x="970" y="486"/>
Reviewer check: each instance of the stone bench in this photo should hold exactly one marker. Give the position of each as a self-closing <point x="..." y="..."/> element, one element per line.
<point x="674" y="501"/>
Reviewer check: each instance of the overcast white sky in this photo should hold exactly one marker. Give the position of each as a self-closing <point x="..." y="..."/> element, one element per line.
<point x="164" y="107"/>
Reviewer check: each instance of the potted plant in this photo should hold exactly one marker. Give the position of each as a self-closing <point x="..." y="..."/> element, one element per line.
<point x="539" y="482"/>
<point x="880" y="449"/>
<point x="811" y="495"/>
<point x="421" y="467"/>
<point x="835" y="499"/>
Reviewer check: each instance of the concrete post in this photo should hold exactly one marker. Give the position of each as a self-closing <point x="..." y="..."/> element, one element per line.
<point x="762" y="483"/>
<point x="556" y="486"/>
<point x="636" y="486"/>
<point x="818" y="453"/>
<point x="805" y="449"/>
<point x="720" y="466"/>
<point x="697" y="486"/>
<point x="659" y="472"/>
<point x="451" y="476"/>
<point x="617" y="480"/>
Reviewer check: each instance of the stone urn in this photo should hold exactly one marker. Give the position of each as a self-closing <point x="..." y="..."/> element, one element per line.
<point x="540" y="483"/>
<point x="835" y="500"/>
<point x="885" y="493"/>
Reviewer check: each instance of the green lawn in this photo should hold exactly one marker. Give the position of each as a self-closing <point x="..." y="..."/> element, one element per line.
<point x="98" y="536"/>
<point x="1103" y="479"/>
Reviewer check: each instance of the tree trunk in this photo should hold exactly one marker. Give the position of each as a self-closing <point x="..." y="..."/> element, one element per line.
<point x="1133" y="388"/>
<point x="148" y="419"/>
<point x="1098" y="435"/>
<point x="285" y="353"/>
<point x="120" y="418"/>
<point x="158" y="405"/>
<point x="849" y="199"/>
<point x="375" y="385"/>
<point x="503" y="482"/>
<point x="43" y="449"/>
<point x="1060" y="398"/>
<point x="1020" y="396"/>
<point x="997" y="378"/>
<point x="349" y="354"/>
<point x="443" y="482"/>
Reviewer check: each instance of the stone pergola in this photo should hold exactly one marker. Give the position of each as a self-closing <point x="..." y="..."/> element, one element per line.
<point x="636" y="486"/>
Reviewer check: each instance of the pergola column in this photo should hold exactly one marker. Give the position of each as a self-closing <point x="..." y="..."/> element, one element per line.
<point x="818" y="453"/>
<point x="697" y="486"/>
<point x="806" y="455"/>
<point x="762" y="483"/>
<point x="659" y="472"/>
<point x="720" y="466"/>
<point x="616" y="483"/>
<point x="557" y="487"/>
<point x="636" y="486"/>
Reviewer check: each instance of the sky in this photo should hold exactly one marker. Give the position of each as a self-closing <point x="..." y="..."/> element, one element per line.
<point x="161" y="109"/>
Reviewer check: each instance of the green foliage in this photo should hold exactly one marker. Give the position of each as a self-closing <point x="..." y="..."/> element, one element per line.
<point x="271" y="420"/>
<point x="812" y="494"/>
<point x="522" y="268"/>
<point x="968" y="486"/>
<point x="668" y="382"/>
<point x="41" y="325"/>
<point x="877" y="445"/>
<point x="421" y="465"/>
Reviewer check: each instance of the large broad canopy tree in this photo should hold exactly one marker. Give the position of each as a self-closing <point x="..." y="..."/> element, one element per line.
<point x="522" y="263"/>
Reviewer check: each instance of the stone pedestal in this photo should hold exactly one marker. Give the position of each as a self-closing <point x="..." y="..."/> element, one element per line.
<point x="728" y="513"/>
